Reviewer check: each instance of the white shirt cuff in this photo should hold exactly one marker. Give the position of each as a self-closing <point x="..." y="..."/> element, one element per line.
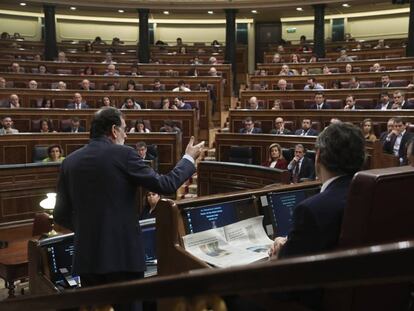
<point x="189" y="158"/>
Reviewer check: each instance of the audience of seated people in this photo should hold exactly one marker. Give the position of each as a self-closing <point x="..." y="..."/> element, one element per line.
<point x="276" y="159"/>
<point x="55" y="154"/>
<point x="301" y="167"/>
<point x="249" y="127"/>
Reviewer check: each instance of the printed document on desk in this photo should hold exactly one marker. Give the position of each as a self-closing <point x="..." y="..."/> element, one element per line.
<point x="240" y="243"/>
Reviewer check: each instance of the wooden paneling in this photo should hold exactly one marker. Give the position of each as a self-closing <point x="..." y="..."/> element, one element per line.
<point x="221" y="177"/>
<point x="18" y="148"/>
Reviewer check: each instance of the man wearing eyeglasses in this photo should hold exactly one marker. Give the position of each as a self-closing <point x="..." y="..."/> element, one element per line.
<point x="96" y="199"/>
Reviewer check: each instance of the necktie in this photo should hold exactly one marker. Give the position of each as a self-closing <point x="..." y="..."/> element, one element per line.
<point x="295" y="176"/>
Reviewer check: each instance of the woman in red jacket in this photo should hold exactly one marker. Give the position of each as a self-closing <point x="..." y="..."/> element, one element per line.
<point x="276" y="159"/>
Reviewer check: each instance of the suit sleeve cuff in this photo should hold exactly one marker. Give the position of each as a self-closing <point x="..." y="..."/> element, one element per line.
<point x="189" y="158"/>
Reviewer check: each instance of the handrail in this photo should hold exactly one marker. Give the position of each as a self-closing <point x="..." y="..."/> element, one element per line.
<point x="359" y="266"/>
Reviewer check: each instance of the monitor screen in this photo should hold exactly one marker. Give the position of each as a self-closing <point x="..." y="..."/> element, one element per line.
<point x="282" y="206"/>
<point x="149" y="239"/>
<point x="217" y="215"/>
<point x="60" y="251"/>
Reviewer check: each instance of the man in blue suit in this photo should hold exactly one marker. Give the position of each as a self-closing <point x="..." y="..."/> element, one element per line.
<point x="249" y="127"/>
<point x="96" y="199"/>
<point x="340" y="153"/>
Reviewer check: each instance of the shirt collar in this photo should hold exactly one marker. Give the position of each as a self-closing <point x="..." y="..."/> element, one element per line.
<point x="328" y="182"/>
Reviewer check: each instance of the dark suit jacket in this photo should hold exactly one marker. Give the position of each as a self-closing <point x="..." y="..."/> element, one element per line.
<point x="307" y="169"/>
<point x="408" y="105"/>
<point x="96" y="199"/>
<point x="325" y="106"/>
<point x="72" y="106"/>
<point x="81" y="129"/>
<point x="256" y="130"/>
<point x="310" y="132"/>
<point x="389" y="105"/>
<point x="285" y="132"/>
<point x="317" y="221"/>
<point x="389" y="144"/>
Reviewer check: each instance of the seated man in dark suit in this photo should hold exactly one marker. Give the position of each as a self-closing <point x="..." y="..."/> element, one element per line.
<point x="142" y="151"/>
<point x="320" y="102"/>
<point x="384" y="102"/>
<point x="390" y="127"/>
<point x="396" y="141"/>
<point x="75" y="126"/>
<point x="280" y="127"/>
<point x="301" y="166"/>
<point x="350" y="103"/>
<point x="340" y="153"/>
<point x="249" y="127"/>
<point x="77" y="103"/>
<point x="306" y="129"/>
<point x="400" y="102"/>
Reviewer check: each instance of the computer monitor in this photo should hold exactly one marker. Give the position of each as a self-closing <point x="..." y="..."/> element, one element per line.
<point x="205" y="217"/>
<point x="281" y="206"/>
<point x="59" y="250"/>
<point x="149" y="239"/>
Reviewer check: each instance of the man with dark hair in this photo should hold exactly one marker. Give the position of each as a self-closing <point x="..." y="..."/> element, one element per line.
<point x="181" y="87"/>
<point x="400" y="102"/>
<point x="75" y="126"/>
<point x="306" y="129"/>
<point x="249" y="127"/>
<point x="313" y="85"/>
<point x="301" y="167"/>
<point x="142" y="150"/>
<point x="385" y="81"/>
<point x="340" y="153"/>
<point x="397" y="139"/>
<point x="96" y="199"/>
<point x="384" y="102"/>
<point x="157" y="86"/>
<point x="320" y="102"/>
<point x="350" y="103"/>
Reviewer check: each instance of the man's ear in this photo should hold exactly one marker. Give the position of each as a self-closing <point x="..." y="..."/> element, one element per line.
<point x="113" y="132"/>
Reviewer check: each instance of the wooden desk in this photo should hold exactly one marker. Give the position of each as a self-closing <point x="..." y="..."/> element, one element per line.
<point x="14" y="263"/>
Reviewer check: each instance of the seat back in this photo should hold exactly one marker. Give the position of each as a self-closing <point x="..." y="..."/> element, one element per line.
<point x="378" y="211"/>
<point x="287" y="103"/>
<point x="335" y="103"/>
<point x="241" y="154"/>
<point x="366" y="103"/>
<point x="39" y="153"/>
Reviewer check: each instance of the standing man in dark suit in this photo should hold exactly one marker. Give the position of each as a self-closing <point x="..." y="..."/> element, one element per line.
<point x="320" y="102"/>
<point x="306" y="129"/>
<point x="96" y="199"/>
<point x="340" y="153"/>
<point x="301" y="166"/>
<point x="396" y="141"/>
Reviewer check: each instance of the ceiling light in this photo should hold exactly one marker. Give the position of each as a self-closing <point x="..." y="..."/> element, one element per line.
<point x="254" y="11"/>
<point x="121" y="11"/>
<point x="210" y="12"/>
<point x="299" y="9"/>
<point x="73" y="8"/>
<point x="166" y="12"/>
<point x="346" y="5"/>
<point x="22" y="3"/>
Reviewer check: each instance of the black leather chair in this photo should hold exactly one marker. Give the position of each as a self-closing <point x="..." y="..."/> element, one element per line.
<point x="241" y="154"/>
<point x="39" y="153"/>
